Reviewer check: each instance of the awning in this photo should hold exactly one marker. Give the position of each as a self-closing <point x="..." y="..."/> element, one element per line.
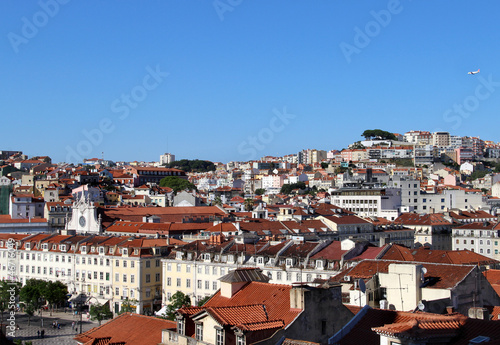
<point x="162" y="311"/>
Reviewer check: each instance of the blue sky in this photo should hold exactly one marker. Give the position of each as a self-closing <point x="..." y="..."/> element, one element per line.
<point x="237" y="79"/>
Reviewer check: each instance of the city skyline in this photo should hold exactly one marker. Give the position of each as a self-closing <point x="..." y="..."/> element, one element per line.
<point x="237" y="81"/>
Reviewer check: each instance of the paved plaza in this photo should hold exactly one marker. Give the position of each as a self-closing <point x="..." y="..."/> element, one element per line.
<point x="64" y="335"/>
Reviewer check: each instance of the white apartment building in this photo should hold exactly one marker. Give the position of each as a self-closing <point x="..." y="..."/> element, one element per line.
<point x="479" y="237"/>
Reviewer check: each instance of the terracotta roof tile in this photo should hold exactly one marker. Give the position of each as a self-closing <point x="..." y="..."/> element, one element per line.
<point x="129" y="328"/>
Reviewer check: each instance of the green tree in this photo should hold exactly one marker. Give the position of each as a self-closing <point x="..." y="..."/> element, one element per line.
<point x="100" y="312"/>
<point x="33" y="292"/>
<point x="260" y="191"/>
<point x="378" y="134"/>
<point x="176" y="183"/>
<point x="195" y="165"/>
<point x="128" y="306"/>
<point x="248" y="204"/>
<point x="217" y="201"/>
<point x="202" y="301"/>
<point x="55" y="293"/>
<point x="29" y="309"/>
<point x="177" y="301"/>
<point x="324" y="165"/>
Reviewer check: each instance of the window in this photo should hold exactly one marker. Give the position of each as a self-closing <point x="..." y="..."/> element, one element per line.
<point x="107" y="276"/>
<point x="169" y="267"/>
<point x="148" y="263"/>
<point x="95" y="274"/>
<point x="169" y="281"/>
<point x="207" y="269"/>
<point x="124" y="263"/>
<point x="117" y="277"/>
<point x="198" y="284"/>
<point x="214" y="285"/>
<point x="124" y="278"/>
<point x="178" y="267"/>
<point x="207" y="284"/>
<point x="132" y="278"/>
<point x="288" y="276"/>
<point x="117" y="291"/>
<point x="219" y="340"/>
<point x="180" y="327"/>
<point x="188" y="283"/>
<point x="101" y="275"/>
<point x="117" y="263"/>
<point x="278" y="275"/>
<point x="157" y="263"/>
<point x="132" y="264"/>
<point x="148" y="278"/>
<point x="214" y="271"/>
<point x="199" y="331"/>
<point x="188" y="268"/>
<point x="240" y="340"/>
<point x="178" y="283"/>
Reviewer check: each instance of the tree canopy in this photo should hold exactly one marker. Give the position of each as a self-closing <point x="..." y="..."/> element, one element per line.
<point x="378" y="134"/>
<point x="194" y="165"/>
<point x="100" y="312"/>
<point x="287" y="188"/>
<point x="260" y="191"/>
<point x="177" y="301"/>
<point x="37" y="292"/>
<point x="177" y="183"/>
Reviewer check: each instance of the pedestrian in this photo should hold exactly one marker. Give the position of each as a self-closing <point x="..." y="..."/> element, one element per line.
<point x="38" y="334"/>
<point x="73" y="325"/>
<point x="42" y="333"/>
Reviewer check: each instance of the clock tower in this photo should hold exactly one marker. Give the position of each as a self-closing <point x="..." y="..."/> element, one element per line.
<point x="84" y="219"/>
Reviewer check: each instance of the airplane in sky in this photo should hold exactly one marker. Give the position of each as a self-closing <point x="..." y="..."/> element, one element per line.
<point x="473" y="72"/>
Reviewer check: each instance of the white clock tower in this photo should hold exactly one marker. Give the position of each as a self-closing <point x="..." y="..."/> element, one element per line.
<point x="84" y="218"/>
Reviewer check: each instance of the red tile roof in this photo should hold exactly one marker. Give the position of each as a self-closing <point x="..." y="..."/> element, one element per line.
<point x="129" y="328"/>
<point x="275" y="298"/>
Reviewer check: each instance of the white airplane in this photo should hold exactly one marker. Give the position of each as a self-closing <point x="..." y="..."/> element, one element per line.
<point x="473" y="72"/>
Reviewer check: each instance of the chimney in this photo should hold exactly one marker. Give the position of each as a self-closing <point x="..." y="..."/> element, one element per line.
<point x="479" y="313"/>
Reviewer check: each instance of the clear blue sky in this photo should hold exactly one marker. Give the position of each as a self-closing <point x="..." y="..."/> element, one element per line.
<point x="66" y="69"/>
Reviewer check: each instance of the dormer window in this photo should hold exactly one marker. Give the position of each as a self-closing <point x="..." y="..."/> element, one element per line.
<point x="111" y="250"/>
<point x="136" y="251"/>
<point x="28" y="246"/>
<point x="260" y="260"/>
<point x="84" y="250"/>
<point x="125" y="251"/>
<point x="206" y="257"/>
<point x="92" y="249"/>
<point x="62" y="247"/>
<point x="54" y="246"/>
<point x="45" y="246"/>
<point x="178" y="255"/>
<point x="319" y="264"/>
<point x="101" y="250"/>
<point x="289" y="262"/>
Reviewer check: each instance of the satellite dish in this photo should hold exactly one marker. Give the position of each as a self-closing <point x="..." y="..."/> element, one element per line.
<point x="424" y="270"/>
<point x="362" y="285"/>
<point x="421" y="306"/>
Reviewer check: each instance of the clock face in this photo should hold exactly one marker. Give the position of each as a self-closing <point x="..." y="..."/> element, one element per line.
<point x="82" y="221"/>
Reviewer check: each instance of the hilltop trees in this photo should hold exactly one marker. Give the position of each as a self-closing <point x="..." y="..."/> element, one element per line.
<point x="378" y="134"/>
<point x="176" y="183"/>
<point x="194" y="165"/>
